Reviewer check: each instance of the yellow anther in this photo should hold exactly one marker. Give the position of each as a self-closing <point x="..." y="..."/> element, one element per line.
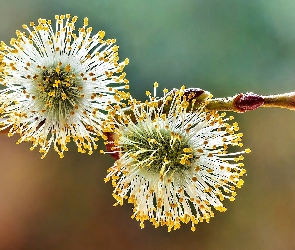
<point x="85" y="21"/>
<point x="68" y="68"/>
<point x="101" y="34"/>
<point x="188" y="150"/>
<point x="56" y="82"/>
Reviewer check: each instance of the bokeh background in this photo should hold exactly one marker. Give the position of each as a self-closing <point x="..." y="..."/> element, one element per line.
<point x="224" y="47"/>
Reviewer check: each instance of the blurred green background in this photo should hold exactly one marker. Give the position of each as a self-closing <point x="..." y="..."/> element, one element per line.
<point x="224" y="47"/>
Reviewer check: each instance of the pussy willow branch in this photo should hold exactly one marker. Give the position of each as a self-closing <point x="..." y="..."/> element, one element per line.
<point x="249" y="101"/>
<point x="239" y="103"/>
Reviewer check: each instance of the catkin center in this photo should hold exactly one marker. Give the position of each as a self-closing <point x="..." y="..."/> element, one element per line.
<point x="59" y="91"/>
<point x="160" y="147"/>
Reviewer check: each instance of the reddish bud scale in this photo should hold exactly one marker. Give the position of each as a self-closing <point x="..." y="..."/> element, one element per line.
<point x="190" y="93"/>
<point x="248" y="101"/>
<point x="193" y="93"/>
<point x="110" y="145"/>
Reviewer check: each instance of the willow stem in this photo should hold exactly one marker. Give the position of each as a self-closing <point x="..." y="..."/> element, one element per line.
<point x="249" y="101"/>
<point x="286" y="100"/>
<point x="239" y="103"/>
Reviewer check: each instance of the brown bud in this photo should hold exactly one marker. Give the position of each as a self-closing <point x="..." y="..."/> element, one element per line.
<point x="190" y="93"/>
<point x="248" y="101"/>
<point x="193" y="93"/>
<point x="110" y="145"/>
